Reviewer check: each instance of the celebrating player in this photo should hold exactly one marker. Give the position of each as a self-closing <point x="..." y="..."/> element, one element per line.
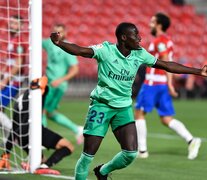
<point x="158" y="89"/>
<point x="50" y="139"/>
<point x="61" y="67"/>
<point x="111" y="102"/>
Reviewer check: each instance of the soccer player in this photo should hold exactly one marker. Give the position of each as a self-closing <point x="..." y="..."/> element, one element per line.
<point x="61" y="67"/>
<point x="11" y="75"/>
<point x="111" y="103"/>
<point x="158" y="89"/>
<point x="50" y="139"/>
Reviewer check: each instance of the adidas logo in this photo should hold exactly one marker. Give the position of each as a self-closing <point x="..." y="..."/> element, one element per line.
<point x="136" y="63"/>
<point x="115" y="61"/>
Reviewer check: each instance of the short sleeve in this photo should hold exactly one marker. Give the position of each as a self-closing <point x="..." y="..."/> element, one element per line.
<point x="72" y="60"/>
<point x="45" y="43"/>
<point x="149" y="59"/>
<point x="100" y="51"/>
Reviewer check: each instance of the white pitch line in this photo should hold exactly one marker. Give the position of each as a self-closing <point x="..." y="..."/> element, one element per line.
<point x="59" y="176"/>
<point x="13" y="171"/>
<point x="151" y="135"/>
<point x="168" y="136"/>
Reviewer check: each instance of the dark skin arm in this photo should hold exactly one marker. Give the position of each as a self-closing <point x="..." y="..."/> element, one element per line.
<point x="71" y="48"/>
<point x="88" y="52"/>
<point x="174" y="67"/>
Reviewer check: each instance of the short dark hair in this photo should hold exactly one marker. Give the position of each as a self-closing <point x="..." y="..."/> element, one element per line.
<point x="60" y="25"/>
<point x="121" y="28"/>
<point x="164" y="20"/>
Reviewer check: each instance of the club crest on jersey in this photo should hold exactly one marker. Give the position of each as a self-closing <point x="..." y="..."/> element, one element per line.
<point x="98" y="46"/>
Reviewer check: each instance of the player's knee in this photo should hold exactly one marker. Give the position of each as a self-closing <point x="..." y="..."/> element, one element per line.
<point x="70" y="147"/>
<point x="164" y="123"/>
<point x="166" y="120"/>
<point x="129" y="156"/>
<point x="65" y="143"/>
<point x="139" y="114"/>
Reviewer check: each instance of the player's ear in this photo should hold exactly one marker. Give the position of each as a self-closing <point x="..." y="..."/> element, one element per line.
<point x="123" y="37"/>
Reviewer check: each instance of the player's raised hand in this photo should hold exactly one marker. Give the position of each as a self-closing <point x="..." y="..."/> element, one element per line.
<point x="204" y="71"/>
<point x="55" y="37"/>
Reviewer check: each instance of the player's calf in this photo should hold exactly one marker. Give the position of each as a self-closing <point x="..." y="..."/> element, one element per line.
<point x="57" y="156"/>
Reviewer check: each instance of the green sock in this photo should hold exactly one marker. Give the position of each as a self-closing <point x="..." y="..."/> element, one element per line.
<point x="44" y="120"/>
<point x="82" y="166"/>
<point x="120" y="160"/>
<point x="64" y="121"/>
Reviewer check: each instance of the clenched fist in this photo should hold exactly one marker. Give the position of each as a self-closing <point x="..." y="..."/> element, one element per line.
<point x="204" y="71"/>
<point x="55" y="37"/>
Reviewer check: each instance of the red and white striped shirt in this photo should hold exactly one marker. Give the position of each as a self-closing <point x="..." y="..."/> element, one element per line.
<point x="16" y="48"/>
<point x="161" y="46"/>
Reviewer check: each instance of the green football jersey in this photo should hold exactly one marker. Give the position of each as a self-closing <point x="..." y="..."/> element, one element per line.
<point x="58" y="61"/>
<point x="116" y="73"/>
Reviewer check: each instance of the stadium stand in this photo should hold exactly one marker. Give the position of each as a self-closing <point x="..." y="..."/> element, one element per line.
<point x="91" y="22"/>
<point x="200" y="5"/>
<point x="94" y="22"/>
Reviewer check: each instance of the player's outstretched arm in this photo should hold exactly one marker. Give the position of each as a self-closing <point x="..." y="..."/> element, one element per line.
<point x="174" y="67"/>
<point x="71" y="48"/>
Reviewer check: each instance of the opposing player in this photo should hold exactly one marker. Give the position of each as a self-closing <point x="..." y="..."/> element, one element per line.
<point x="111" y="103"/>
<point x="11" y="75"/>
<point x="158" y="89"/>
<point x="61" y="67"/>
<point x="50" y="139"/>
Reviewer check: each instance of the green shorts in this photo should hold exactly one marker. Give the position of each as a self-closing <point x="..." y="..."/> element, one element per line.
<point x="100" y="116"/>
<point x="53" y="98"/>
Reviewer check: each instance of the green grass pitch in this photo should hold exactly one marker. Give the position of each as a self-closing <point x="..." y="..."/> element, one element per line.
<point x="168" y="153"/>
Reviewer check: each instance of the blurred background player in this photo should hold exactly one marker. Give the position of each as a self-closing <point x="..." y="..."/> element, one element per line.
<point x="61" y="67"/>
<point x="20" y="133"/>
<point x="157" y="91"/>
<point x="11" y="74"/>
